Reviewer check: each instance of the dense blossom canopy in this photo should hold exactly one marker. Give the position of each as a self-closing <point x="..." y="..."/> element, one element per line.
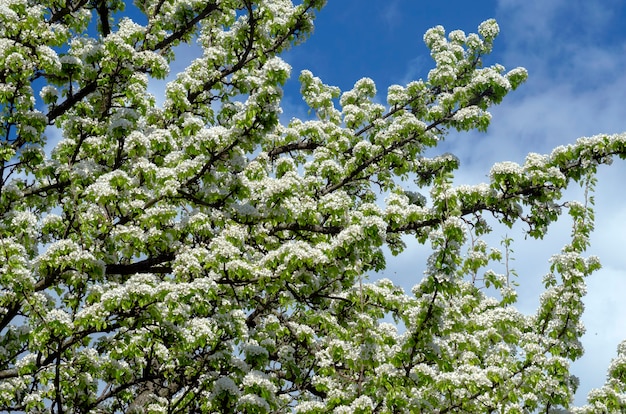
<point x="203" y="256"/>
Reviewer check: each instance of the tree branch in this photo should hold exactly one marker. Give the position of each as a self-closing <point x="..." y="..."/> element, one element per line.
<point x="150" y="265"/>
<point x="65" y="11"/>
<point x="295" y="146"/>
<point x="175" y="36"/>
<point x="64" y="106"/>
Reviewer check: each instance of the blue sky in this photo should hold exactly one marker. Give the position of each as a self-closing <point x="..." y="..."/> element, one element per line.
<point x="575" y="53"/>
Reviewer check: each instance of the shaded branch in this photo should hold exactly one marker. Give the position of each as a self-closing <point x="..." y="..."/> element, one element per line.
<point x="103" y="14"/>
<point x="65" y="11"/>
<point x="64" y="106"/>
<point x="156" y="264"/>
<point x="314" y="228"/>
<point x="296" y="146"/>
<point x="178" y="35"/>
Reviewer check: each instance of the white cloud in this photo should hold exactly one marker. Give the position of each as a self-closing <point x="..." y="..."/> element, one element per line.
<point x="416" y="68"/>
<point x="576" y="88"/>
<point x="529" y="19"/>
<point x="604" y="318"/>
<point x="391" y="13"/>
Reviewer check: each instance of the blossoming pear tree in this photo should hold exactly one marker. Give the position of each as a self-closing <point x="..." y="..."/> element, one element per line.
<point x="203" y="256"/>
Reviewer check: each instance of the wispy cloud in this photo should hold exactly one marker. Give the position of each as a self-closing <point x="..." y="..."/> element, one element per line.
<point x="576" y="88"/>
<point x="391" y="14"/>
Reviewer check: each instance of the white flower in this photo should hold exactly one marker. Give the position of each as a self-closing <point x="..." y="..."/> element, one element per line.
<point x="70" y="60"/>
<point x="276" y="64"/>
<point x="470" y="113"/>
<point x="489" y="29"/>
<point x="310" y="406"/>
<point x="225" y="385"/>
<point x="254" y="400"/>
<point x="505" y="168"/>
<point x="58" y="315"/>
<point x="457" y="36"/>
<point x="48" y="93"/>
<point x="258" y="379"/>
